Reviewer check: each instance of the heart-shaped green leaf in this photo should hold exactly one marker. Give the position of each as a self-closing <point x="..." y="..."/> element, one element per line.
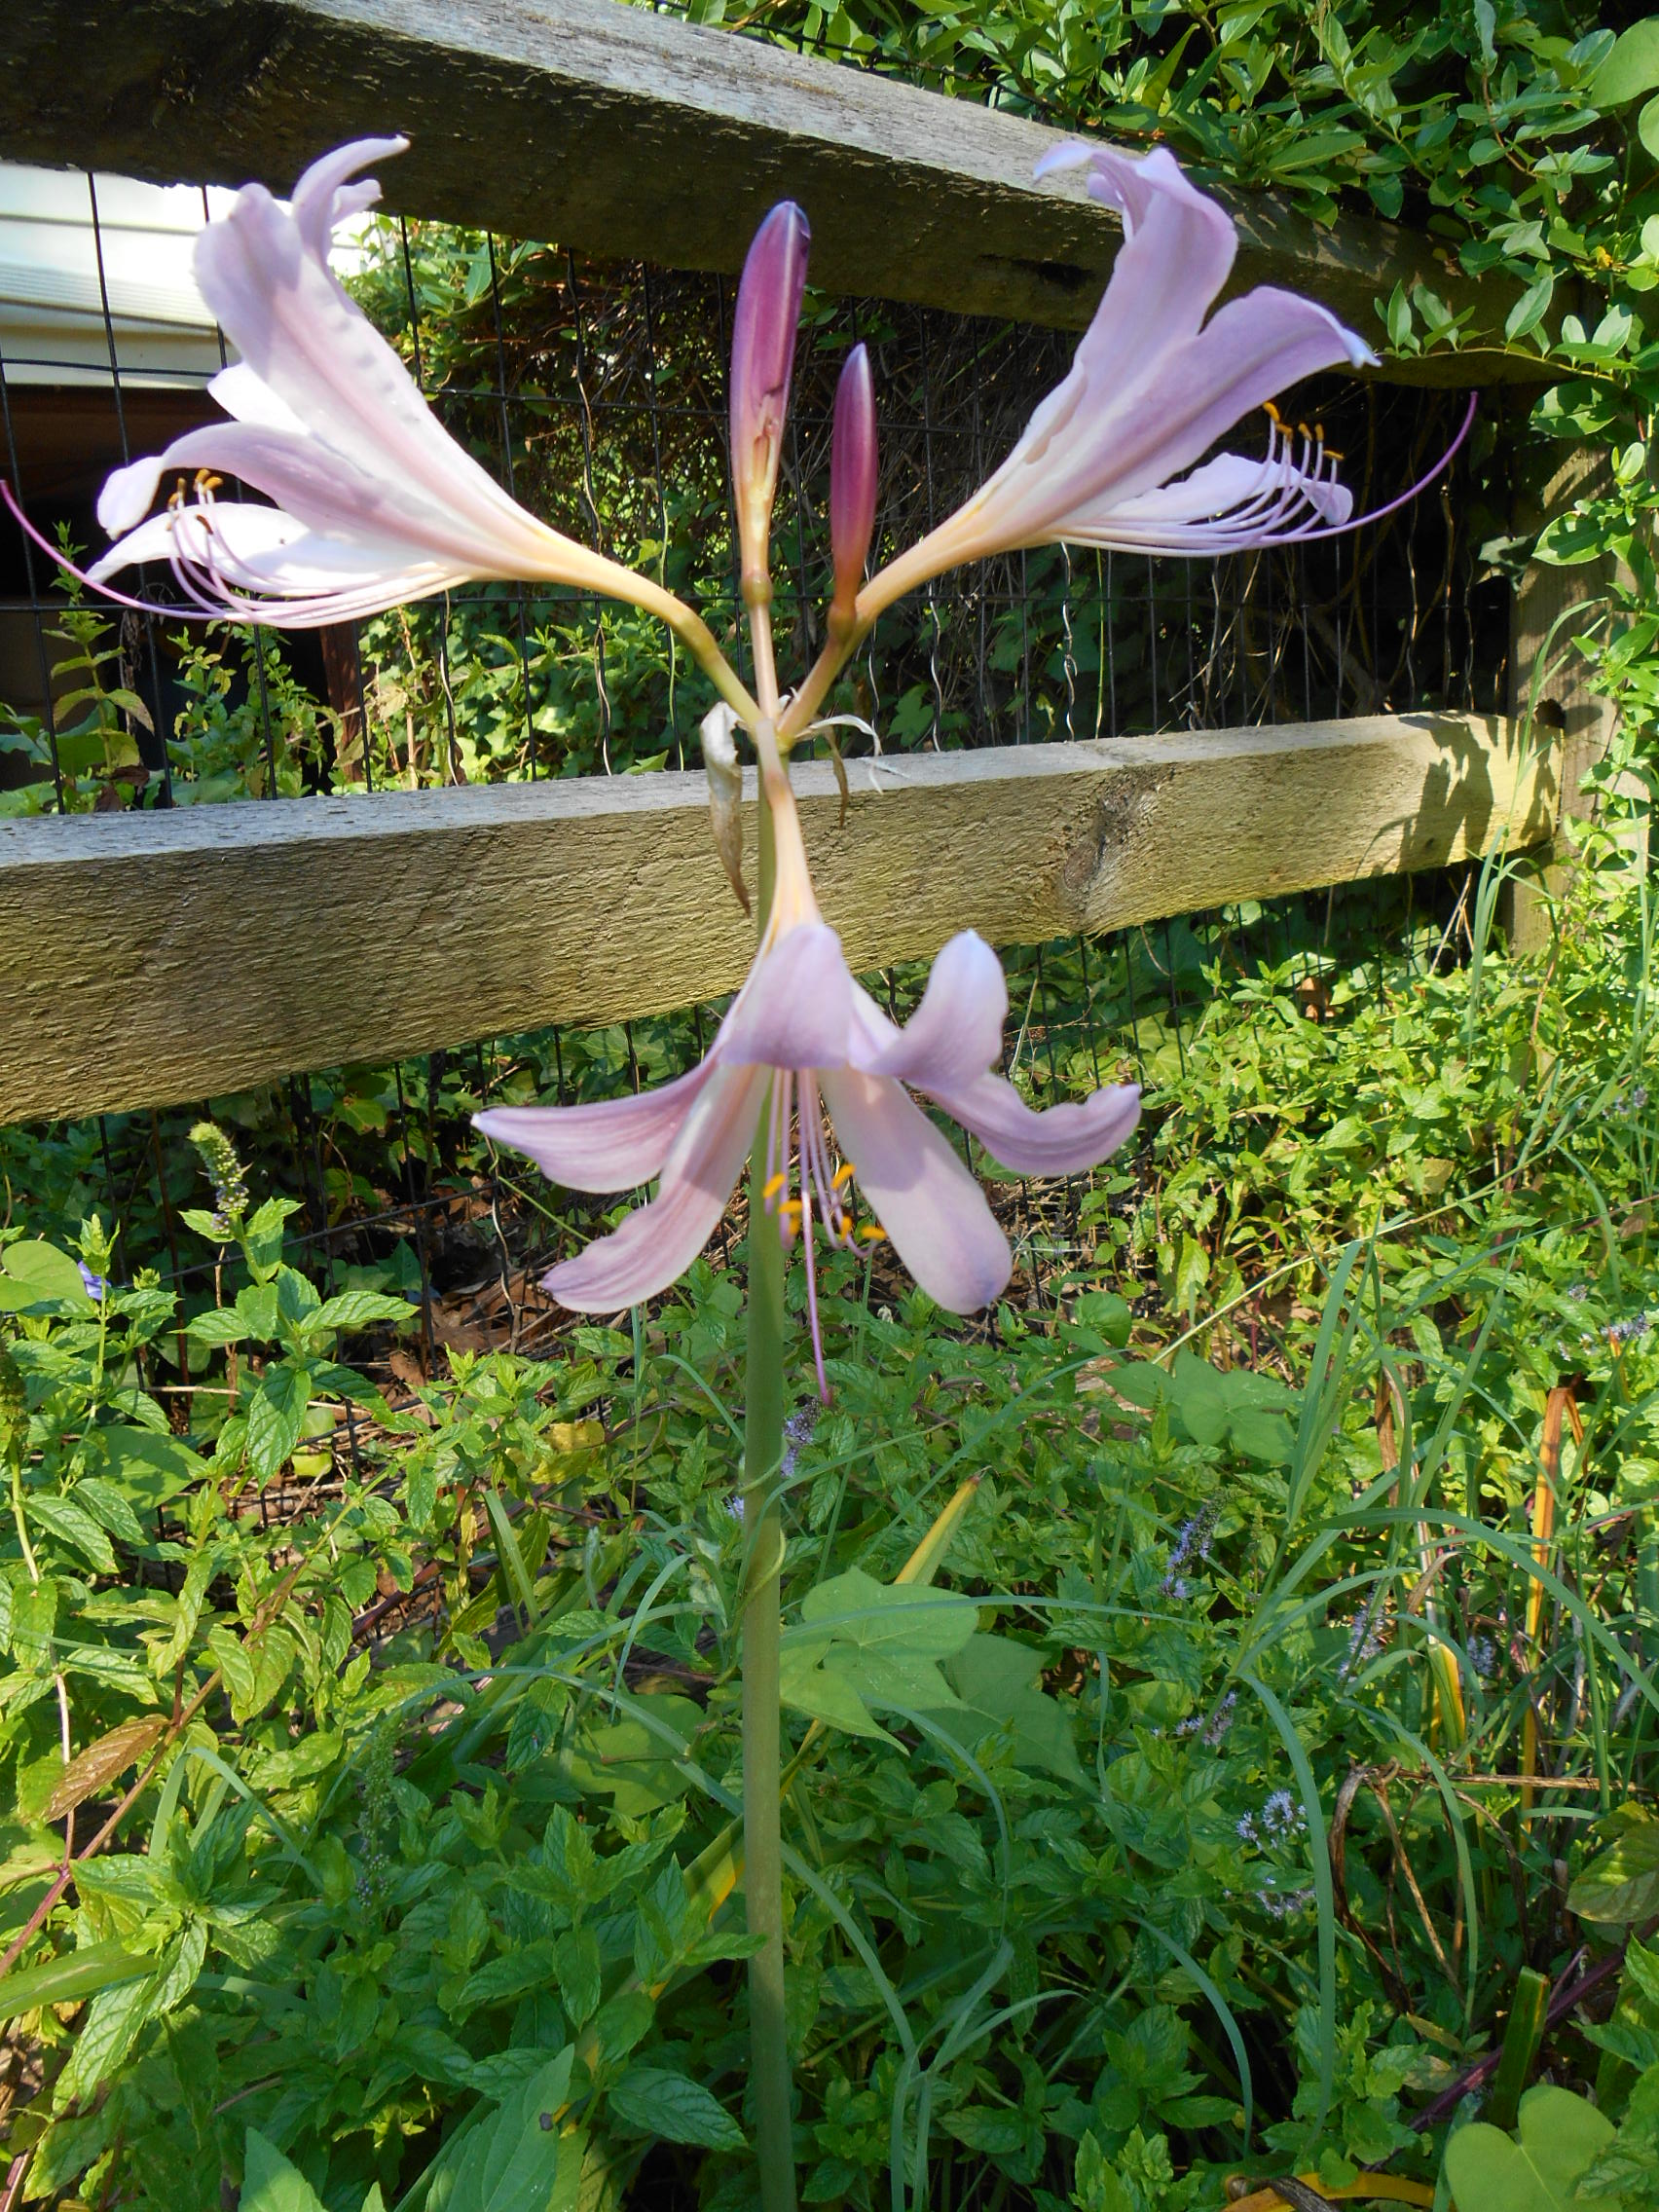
<point x="1561" y="2137"/>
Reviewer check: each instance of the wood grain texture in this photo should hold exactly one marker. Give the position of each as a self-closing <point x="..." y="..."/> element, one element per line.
<point x="1556" y="689"/>
<point x="152" y="958"/>
<point x="621" y="133"/>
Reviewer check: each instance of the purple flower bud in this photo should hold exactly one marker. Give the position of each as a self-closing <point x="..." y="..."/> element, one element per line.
<point x="763" y="355"/>
<point x="852" y="476"/>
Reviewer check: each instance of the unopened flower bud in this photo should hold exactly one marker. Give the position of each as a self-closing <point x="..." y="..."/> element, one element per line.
<point x="852" y="478"/>
<point x="762" y="356"/>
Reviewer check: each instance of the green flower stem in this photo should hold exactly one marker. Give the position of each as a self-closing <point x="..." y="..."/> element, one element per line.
<point x="762" y="1604"/>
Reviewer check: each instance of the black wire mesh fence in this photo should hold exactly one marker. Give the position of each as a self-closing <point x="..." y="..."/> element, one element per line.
<point x="597" y="393"/>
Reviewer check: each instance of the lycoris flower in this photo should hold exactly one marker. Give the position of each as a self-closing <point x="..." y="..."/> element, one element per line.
<point x="376" y="504"/>
<point x="803" y="1040"/>
<point x="1152" y="386"/>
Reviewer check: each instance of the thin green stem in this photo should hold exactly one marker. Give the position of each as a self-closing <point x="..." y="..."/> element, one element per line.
<point x="762" y="1604"/>
<point x="14" y="1455"/>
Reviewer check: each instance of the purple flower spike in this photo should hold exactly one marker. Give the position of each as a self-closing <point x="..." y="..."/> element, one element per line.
<point x="763" y="355"/>
<point x="852" y="478"/>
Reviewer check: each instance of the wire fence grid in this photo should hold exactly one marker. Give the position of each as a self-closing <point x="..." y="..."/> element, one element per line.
<point x="596" y="392"/>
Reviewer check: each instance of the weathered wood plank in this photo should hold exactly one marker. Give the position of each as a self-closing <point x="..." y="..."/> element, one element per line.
<point x="1580" y="721"/>
<point x="617" y="131"/>
<point x="151" y="958"/>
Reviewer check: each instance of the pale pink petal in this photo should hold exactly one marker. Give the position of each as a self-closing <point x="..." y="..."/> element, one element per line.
<point x="329" y="490"/>
<point x="1177" y="253"/>
<point x="325" y="195"/>
<point x="795" y="1007"/>
<point x="1249" y="349"/>
<point x="129" y="492"/>
<point x="258" y="549"/>
<point x="602" y="1146"/>
<point x="300" y="334"/>
<point x="1062" y="1141"/>
<point x="240" y="393"/>
<point x="956" y="1033"/>
<point x="257" y="564"/>
<point x="661" y="1240"/>
<point x="1230" y="504"/>
<point x="925" y="1199"/>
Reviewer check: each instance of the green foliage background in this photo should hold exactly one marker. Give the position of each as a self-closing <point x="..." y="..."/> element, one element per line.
<point x="1245" y="1568"/>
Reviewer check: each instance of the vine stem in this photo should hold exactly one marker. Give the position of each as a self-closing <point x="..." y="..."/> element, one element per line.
<point x="762" y="1604"/>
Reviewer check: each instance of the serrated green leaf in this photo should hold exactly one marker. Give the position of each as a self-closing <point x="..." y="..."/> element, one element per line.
<point x="109" y="1509"/>
<point x="71" y="1524"/>
<point x="219" y="1325"/>
<point x="674" y="2109"/>
<point x="276" y="1414"/>
<point x="576" y="1964"/>
<point x="146" y="1469"/>
<point x="259" y="1306"/>
<point x="516" y="2160"/>
<point x="358" y="1308"/>
<point x="235" y="1662"/>
<point x="115" y="2019"/>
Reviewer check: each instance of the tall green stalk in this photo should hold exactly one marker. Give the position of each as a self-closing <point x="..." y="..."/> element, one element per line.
<point x="762" y="1604"/>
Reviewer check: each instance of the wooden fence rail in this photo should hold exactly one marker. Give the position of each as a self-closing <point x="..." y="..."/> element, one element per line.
<point x="617" y="131"/>
<point x="153" y="958"/>
<point x="147" y="959"/>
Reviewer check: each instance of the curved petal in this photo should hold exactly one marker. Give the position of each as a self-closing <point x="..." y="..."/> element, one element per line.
<point x="795" y="1007"/>
<point x="956" y="1033"/>
<point x="1228" y="505"/>
<point x="659" y="1240"/>
<point x="602" y="1146"/>
<point x="258" y="549"/>
<point x="301" y="335"/>
<point x="1178" y="251"/>
<point x="250" y="399"/>
<point x="325" y="195"/>
<point x="1250" y="349"/>
<point x="129" y="492"/>
<point x="327" y="491"/>
<point x="924" y="1196"/>
<point x="1061" y="1141"/>
<point x="258" y="563"/>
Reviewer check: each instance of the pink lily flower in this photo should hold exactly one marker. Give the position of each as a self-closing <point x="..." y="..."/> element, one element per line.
<point x="376" y="504"/>
<point x="805" y="1045"/>
<point x="1152" y="386"/>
